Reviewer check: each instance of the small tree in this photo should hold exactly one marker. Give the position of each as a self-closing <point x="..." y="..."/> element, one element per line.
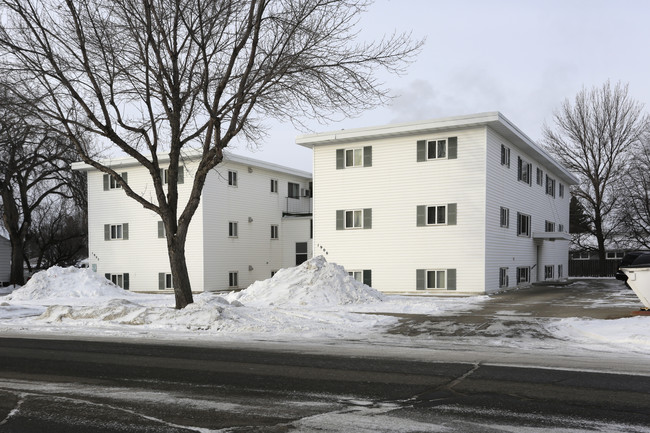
<point x="34" y="167"/>
<point x="594" y="137"/>
<point x="151" y="76"/>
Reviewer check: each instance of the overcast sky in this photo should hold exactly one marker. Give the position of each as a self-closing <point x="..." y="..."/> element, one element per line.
<point x="519" y="57"/>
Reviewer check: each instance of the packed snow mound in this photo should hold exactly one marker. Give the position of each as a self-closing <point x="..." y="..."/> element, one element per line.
<point x="315" y="283"/>
<point x="61" y="283"/>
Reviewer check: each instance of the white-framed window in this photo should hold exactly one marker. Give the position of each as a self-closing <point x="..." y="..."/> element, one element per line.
<point x="437" y="215"/>
<point x="581" y="255"/>
<point x="549" y="272"/>
<point x="614" y="255"/>
<point x="505" y="156"/>
<point x="436" y="149"/>
<point x="302" y="252"/>
<point x="561" y="190"/>
<point x="293" y="190"/>
<point x="274" y="186"/>
<point x="232" y="178"/>
<point x="354" y="219"/>
<point x="503" y="277"/>
<point x="275" y="231"/>
<point x="560" y="271"/>
<point x="540" y="176"/>
<point x="549" y="226"/>
<point x="550" y="186"/>
<point x="233" y="227"/>
<point x="116" y="231"/>
<point x="505" y="217"/>
<point x="560" y="228"/>
<point x="523" y="224"/>
<point x="167" y="282"/>
<point x="120" y="280"/>
<point x="113" y="184"/>
<point x="354" y="157"/>
<point x="436" y="279"/>
<point x="233" y="279"/>
<point x="164" y="175"/>
<point x="524" y="171"/>
<point x="523" y="274"/>
<point x="357" y="275"/>
<point x="113" y="232"/>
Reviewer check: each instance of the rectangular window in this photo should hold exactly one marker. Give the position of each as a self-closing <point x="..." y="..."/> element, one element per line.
<point x="523" y="224"/>
<point x="116" y="231"/>
<point x="549" y="271"/>
<point x="523" y="275"/>
<point x="540" y="177"/>
<point x="505" y="156"/>
<point x="561" y="190"/>
<point x="114" y="184"/>
<point x="561" y="228"/>
<point x="232" y="229"/>
<point x="560" y="271"/>
<point x="354" y="157"/>
<point x="233" y="279"/>
<point x="169" y="282"/>
<point x="120" y="280"/>
<point x="582" y="255"/>
<point x="436" y="215"/>
<point x="274" y="185"/>
<point x="275" y="230"/>
<point x="437" y="279"/>
<point x="294" y="190"/>
<point x="549" y="227"/>
<point x="503" y="277"/>
<point x="111" y="183"/>
<point x="357" y="275"/>
<point x="614" y="255"/>
<point x="354" y="219"/>
<point x="232" y="178"/>
<point x="505" y="217"/>
<point x="550" y="186"/>
<point x="524" y="171"/>
<point x="436" y="149"/>
<point x="301" y="252"/>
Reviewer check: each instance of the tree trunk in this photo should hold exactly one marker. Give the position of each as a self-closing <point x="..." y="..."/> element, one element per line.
<point x="602" y="259"/>
<point x="17" y="275"/>
<point x="182" y="287"/>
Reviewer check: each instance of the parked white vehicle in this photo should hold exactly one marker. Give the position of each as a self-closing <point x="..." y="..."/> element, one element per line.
<point x="638" y="278"/>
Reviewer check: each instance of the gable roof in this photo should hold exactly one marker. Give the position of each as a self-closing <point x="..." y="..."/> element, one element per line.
<point x="495" y="120"/>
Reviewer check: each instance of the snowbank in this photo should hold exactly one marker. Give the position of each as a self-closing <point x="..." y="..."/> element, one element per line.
<point x="315" y="283"/>
<point x="633" y="333"/>
<point x="61" y="283"/>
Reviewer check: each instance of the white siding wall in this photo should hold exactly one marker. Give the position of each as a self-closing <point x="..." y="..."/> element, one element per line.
<point x="504" y="247"/>
<point x="393" y="187"/>
<point x="143" y="255"/>
<point x="253" y="247"/>
<point x="5" y="260"/>
<point x="293" y="230"/>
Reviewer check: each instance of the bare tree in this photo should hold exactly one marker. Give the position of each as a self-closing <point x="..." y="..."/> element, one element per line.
<point x="635" y="196"/>
<point x="153" y="76"/>
<point x="594" y="137"/>
<point x="34" y="167"/>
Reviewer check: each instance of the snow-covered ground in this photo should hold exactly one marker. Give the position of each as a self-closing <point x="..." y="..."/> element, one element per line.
<point x="314" y="303"/>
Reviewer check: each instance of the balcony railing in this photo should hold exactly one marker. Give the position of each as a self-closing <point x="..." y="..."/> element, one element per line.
<point x="298" y="206"/>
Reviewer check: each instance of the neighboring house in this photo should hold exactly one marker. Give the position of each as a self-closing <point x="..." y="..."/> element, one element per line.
<point x="466" y="203"/>
<point x="5" y="261"/>
<point x="254" y="218"/>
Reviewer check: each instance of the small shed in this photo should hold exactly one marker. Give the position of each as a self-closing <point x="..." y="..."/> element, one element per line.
<point x="5" y="260"/>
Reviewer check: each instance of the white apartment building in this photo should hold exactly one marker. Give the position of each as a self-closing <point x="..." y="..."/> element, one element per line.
<point x="254" y="219"/>
<point x="466" y="204"/>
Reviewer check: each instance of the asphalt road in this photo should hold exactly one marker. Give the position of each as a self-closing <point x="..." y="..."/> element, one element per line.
<point x="84" y="386"/>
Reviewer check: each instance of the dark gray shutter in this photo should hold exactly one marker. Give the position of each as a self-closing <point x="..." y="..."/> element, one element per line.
<point x="107" y="276"/>
<point x="126" y="281"/>
<point x="125" y="231"/>
<point x="181" y="175"/>
<point x="451" y="279"/>
<point x="340" y="159"/>
<point x="421" y="216"/>
<point x="452" y="148"/>
<point x="451" y="214"/>
<point x="162" y="176"/>
<point x="422" y="150"/>
<point x="420" y="279"/>
<point x="367" y="156"/>
<point x="125" y="176"/>
<point x="161" y="229"/>
<point x="518" y="168"/>
<point x="340" y="223"/>
<point x="161" y="281"/>
<point x="367" y="218"/>
<point x="106" y="182"/>
<point x="107" y="232"/>
<point x="367" y="277"/>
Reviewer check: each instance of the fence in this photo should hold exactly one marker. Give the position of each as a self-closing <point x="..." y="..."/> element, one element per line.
<point x="591" y="268"/>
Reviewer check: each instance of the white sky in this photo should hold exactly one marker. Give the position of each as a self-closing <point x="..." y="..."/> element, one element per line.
<point x="519" y="57"/>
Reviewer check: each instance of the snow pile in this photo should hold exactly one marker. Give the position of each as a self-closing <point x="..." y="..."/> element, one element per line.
<point x="633" y="332"/>
<point x="315" y="283"/>
<point x="61" y="283"/>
